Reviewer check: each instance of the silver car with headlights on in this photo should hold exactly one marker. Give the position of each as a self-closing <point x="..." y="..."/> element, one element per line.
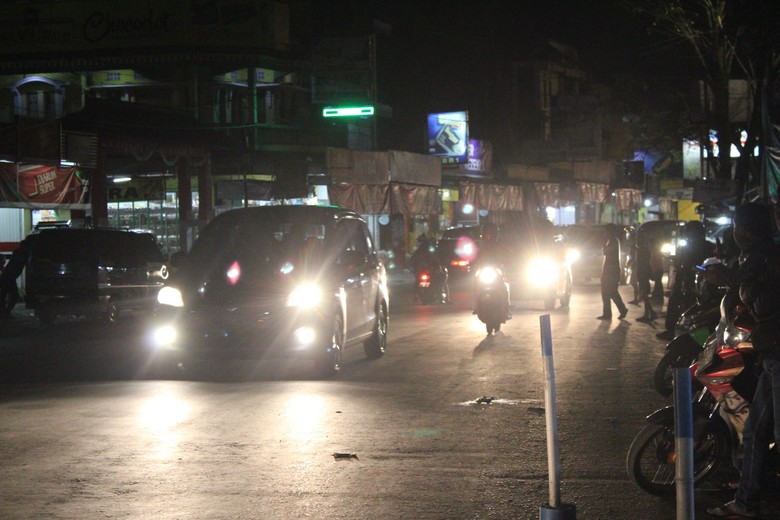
<point x="264" y="282"/>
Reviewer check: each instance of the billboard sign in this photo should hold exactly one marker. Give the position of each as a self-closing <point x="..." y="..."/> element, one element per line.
<point x="448" y="136"/>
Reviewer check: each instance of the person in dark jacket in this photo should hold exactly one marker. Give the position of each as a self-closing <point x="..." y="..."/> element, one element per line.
<point x="9" y="292"/>
<point x="683" y="293"/>
<point x="610" y="275"/>
<point x="758" y="279"/>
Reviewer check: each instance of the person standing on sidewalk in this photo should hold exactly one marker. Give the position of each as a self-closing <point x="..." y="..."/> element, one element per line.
<point x="9" y="292"/>
<point x="758" y="279"/>
<point x="610" y="275"/>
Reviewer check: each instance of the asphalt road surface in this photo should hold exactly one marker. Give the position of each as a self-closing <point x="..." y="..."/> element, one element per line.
<point x="449" y="424"/>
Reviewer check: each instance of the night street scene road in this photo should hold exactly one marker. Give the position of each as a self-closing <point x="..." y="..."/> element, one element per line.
<point x="450" y="423"/>
<point x="364" y="260"/>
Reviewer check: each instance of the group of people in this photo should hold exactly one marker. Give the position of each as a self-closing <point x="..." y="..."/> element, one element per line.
<point x="647" y="274"/>
<point x="756" y="277"/>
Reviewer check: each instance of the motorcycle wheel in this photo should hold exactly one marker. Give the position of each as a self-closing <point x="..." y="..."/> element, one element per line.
<point x="664" y="371"/>
<point x="651" y="457"/>
<point x="490" y="327"/>
<point x="427" y="297"/>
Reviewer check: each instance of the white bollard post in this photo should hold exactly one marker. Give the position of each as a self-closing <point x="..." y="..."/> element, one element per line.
<point x="553" y="510"/>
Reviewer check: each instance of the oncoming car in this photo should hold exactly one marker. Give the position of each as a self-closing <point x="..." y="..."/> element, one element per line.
<point x="537" y="267"/>
<point x="291" y="281"/>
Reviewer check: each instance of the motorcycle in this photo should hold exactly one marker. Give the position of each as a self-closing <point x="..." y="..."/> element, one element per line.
<point x="431" y="286"/>
<point x="491" y="298"/>
<point x="431" y="278"/>
<point x="726" y="369"/>
<point x="695" y="326"/>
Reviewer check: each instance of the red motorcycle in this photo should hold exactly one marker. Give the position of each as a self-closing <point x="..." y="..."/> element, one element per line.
<point x="727" y="370"/>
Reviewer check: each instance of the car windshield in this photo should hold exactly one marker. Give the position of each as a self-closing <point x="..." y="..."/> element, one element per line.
<point x="263" y="253"/>
<point x="585" y="237"/>
<point x="466" y="231"/>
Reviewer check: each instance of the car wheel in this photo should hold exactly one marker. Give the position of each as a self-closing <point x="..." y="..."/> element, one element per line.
<point x="376" y="344"/>
<point x="329" y="362"/>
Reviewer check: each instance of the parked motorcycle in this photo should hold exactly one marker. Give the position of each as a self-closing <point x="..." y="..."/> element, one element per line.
<point x="491" y="298"/>
<point x="727" y="370"/>
<point x="695" y="326"/>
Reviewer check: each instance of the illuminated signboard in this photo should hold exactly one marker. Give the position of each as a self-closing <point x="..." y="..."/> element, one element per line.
<point x="448" y="136"/>
<point x="347" y="111"/>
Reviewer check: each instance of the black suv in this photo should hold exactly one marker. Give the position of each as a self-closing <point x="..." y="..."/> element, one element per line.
<point x="92" y="272"/>
<point x="276" y="280"/>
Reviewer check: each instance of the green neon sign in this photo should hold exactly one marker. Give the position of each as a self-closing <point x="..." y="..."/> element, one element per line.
<point x="348" y="111"/>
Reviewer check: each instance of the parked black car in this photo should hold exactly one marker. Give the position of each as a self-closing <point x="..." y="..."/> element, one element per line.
<point x="92" y="272"/>
<point x="264" y="282"/>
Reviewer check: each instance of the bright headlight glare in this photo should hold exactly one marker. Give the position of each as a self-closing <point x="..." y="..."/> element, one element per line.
<point x="305" y="296"/>
<point x="164" y="336"/>
<point x="667" y="248"/>
<point x="170" y="296"/>
<point x="542" y="272"/>
<point x="304" y="336"/>
<point x="572" y="255"/>
<point x="487" y="275"/>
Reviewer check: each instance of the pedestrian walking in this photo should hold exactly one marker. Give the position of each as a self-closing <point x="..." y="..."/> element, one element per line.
<point x="758" y="279"/>
<point x="9" y="292"/>
<point x="643" y="273"/>
<point x="610" y="275"/>
<point x="631" y="265"/>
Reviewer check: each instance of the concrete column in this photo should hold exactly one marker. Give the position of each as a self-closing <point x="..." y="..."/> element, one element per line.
<point x="98" y="191"/>
<point x="205" y="193"/>
<point x="184" y="194"/>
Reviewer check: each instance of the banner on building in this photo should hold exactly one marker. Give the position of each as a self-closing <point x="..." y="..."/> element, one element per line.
<point x="41" y="186"/>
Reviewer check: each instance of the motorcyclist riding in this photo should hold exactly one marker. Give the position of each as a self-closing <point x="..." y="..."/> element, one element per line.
<point x="491" y="253"/>
<point x="424" y="258"/>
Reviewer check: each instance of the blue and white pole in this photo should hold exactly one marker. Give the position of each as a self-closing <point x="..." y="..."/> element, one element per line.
<point x="554" y="509"/>
<point x="683" y="440"/>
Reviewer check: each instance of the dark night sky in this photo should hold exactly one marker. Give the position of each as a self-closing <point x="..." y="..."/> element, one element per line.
<point x="455" y="55"/>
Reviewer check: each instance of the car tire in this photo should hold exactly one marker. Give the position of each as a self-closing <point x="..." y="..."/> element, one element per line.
<point x="375" y="346"/>
<point x="328" y="363"/>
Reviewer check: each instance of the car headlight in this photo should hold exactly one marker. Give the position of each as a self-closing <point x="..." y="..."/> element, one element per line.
<point x="572" y="255"/>
<point x="170" y="296"/>
<point x="667" y="248"/>
<point x="487" y="275"/>
<point x="305" y="296"/>
<point x="164" y="336"/>
<point x="542" y="272"/>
